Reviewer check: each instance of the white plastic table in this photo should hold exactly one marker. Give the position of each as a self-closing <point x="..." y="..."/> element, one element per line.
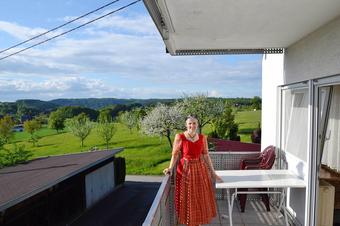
<point x="235" y="179"/>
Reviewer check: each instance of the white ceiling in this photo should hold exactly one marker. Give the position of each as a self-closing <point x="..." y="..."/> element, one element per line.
<point x="239" y="24"/>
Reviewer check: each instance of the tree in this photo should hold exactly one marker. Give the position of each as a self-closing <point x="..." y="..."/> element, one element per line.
<point x="6" y="129"/>
<point x="256" y="103"/>
<point x="222" y="124"/>
<point x="106" y="129"/>
<point x="56" y="121"/>
<point x="31" y="127"/>
<point x="129" y="119"/>
<point x="72" y="111"/>
<point x="42" y="118"/>
<point x="2" y="143"/>
<point x="202" y="107"/>
<point x="232" y="132"/>
<point x="140" y="113"/>
<point x="80" y="126"/>
<point x="163" y="120"/>
<point x="21" y="110"/>
<point x="105" y="115"/>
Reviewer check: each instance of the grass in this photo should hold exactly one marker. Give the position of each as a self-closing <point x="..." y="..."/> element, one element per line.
<point x="248" y="121"/>
<point x="144" y="155"/>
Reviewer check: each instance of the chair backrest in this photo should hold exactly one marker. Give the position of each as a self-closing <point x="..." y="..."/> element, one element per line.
<point x="268" y="157"/>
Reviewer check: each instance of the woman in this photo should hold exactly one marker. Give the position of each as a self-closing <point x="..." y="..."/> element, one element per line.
<point x="195" y="198"/>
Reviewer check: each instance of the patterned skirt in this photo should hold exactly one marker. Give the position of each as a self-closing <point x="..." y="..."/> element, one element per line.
<point x="195" y="198"/>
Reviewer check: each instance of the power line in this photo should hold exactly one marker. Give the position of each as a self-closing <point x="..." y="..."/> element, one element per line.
<point x="61" y="34"/>
<point x="60" y="26"/>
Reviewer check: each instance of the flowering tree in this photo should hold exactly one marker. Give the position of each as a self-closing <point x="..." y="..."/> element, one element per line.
<point x="129" y="118"/>
<point x="163" y="120"/>
<point x="204" y="108"/>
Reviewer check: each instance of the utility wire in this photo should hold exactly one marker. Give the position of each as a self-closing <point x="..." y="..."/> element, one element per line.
<point x="60" y="26"/>
<point x="61" y="34"/>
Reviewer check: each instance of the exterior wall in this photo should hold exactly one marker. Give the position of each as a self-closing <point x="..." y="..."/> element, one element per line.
<point x="54" y="206"/>
<point x="272" y="76"/>
<point x="61" y="203"/>
<point x="314" y="56"/>
<point x="99" y="183"/>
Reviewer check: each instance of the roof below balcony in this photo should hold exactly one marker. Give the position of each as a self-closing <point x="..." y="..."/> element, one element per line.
<point x="243" y="26"/>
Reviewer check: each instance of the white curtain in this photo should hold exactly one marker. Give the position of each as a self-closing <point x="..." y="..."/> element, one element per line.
<point x="331" y="150"/>
<point x="297" y="124"/>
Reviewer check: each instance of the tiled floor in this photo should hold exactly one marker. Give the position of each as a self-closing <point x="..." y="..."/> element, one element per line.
<point x="255" y="215"/>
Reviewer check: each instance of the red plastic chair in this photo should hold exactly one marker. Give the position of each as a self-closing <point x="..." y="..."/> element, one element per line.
<point x="264" y="161"/>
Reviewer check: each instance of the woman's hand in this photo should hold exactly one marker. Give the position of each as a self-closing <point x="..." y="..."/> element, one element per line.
<point x="218" y="178"/>
<point x="168" y="171"/>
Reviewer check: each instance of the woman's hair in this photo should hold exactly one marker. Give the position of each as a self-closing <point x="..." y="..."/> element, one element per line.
<point x="191" y="117"/>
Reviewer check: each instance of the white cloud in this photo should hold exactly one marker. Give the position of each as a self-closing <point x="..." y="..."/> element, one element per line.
<point x="75" y="87"/>
<point x="91" y="61"/>
<point x="19" y="32"/>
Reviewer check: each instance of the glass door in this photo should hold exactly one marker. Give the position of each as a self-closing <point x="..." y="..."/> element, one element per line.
<point x="294" y="139"/>
<point x="327" y="150"/>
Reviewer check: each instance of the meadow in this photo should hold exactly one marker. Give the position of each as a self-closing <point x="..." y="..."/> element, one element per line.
<point x="144" y="155"/>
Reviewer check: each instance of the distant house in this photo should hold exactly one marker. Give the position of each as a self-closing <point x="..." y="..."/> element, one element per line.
<point x="56" y="190"/>
<point x="18" y="128"/>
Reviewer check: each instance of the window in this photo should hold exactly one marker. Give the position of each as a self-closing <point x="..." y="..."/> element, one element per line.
<point x="331" y="133"/>
<point x="295" y="122"/>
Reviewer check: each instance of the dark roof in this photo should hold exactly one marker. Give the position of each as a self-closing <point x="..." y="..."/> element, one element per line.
<point x="20" y="182"/>
<point x="127" y="206"/>
<point x="229" y="145"/>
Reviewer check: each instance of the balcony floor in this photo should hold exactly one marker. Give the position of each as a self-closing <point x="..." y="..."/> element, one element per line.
<point x="255" y="215"/>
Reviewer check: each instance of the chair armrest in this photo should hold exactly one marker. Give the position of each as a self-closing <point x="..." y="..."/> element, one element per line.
<point x="250" y="167"/>
<point x="250" y="161"/>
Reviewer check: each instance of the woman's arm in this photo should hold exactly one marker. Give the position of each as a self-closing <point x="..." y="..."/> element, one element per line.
<point x="175" y="153"/>
<point x="208" y="160"/>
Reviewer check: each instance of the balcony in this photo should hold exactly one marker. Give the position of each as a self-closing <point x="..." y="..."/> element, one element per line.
<point x="162" y="211"/>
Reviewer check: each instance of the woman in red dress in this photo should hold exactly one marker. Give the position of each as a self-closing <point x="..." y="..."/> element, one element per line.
<point x="194" y="199"/>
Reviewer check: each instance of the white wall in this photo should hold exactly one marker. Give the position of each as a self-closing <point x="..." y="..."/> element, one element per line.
<point x="314" y="56"/>
<point x="272" y="76"/>
<point x="99" y="183"/>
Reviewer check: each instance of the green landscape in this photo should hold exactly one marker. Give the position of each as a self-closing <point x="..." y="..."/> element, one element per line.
<point x="143" y="154"/>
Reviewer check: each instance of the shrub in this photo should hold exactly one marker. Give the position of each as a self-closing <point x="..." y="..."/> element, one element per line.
<point x="16" y="155"/>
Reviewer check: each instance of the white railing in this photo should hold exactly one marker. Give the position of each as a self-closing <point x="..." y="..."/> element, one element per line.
<point x="162" y="211"/>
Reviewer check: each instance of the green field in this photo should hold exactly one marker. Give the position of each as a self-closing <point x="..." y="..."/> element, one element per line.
<point x="248" y="121"/>
<point x="144" y="155"/>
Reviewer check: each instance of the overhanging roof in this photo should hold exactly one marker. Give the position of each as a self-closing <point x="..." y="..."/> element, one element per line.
<point x="237" y="26"/>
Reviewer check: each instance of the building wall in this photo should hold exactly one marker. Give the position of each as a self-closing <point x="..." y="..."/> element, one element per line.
<point x="63" y="202"/>
<point x="314" y="56"/>
<point x="272" y="76"/>
<point x="99" y="183"/>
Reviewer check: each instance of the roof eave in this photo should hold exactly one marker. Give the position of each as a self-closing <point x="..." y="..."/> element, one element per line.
<point x="164" y="27"/>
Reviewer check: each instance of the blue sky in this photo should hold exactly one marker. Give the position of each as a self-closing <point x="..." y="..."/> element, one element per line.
<point x="120" y="56"/>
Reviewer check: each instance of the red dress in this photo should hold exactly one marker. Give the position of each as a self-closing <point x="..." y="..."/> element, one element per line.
<point x="195" y="198"/>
